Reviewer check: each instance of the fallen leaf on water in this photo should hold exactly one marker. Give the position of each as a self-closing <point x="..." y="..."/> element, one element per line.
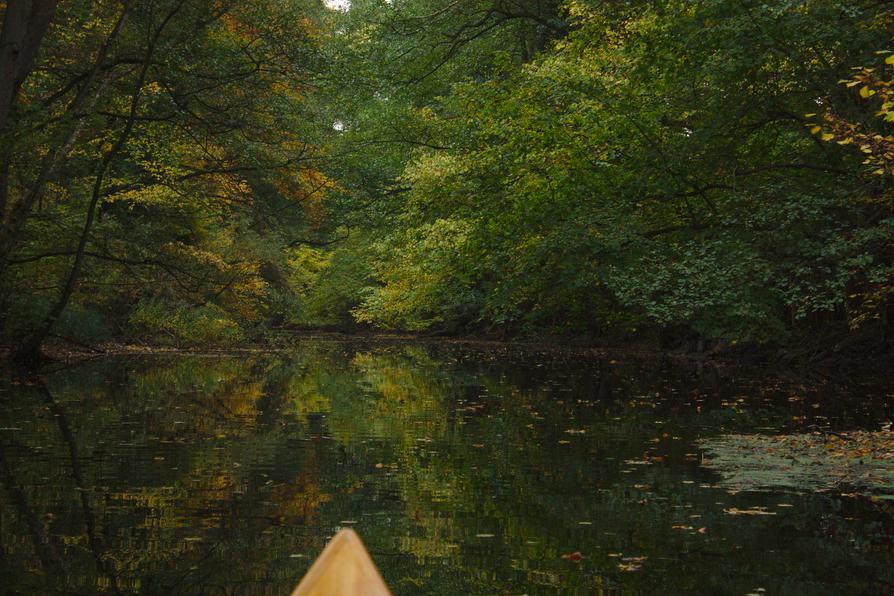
<point x="631" y="563"/>
<point x="753" y="511"/>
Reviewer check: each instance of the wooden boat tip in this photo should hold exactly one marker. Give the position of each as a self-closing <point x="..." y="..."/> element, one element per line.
<point x="344" y="568"/>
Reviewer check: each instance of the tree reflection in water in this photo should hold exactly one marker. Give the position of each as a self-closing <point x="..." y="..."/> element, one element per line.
<point x="469" y="471"/>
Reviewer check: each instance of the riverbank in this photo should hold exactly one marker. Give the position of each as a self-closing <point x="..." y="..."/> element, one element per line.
<point x="830" y="354"/>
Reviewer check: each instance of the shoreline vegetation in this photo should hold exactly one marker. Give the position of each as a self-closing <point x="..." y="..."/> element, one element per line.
<point x="713" y="179"/>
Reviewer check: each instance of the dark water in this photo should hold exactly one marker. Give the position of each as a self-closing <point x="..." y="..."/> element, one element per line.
<point x="466" y="471"/>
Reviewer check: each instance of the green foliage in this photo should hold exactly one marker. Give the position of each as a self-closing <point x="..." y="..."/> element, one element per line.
<point x="80" y="321"/>
<point x="649" y="168"/>
<point x="422" y="279"/>
<point x="523" y="167"/>
<point x="184" y="325"/>
<point x="337" y="288"/>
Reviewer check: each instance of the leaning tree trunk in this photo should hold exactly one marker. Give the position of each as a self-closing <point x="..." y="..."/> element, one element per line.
<point x="18" y="211"/>
<point x="25" y="23"/>
<point x="30" y="349"/>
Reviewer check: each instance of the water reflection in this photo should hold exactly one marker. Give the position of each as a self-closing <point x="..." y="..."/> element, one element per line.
<point x="466" y="471"/>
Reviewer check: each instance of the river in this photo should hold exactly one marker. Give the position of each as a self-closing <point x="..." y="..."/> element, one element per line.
<point x="466" y="470"/>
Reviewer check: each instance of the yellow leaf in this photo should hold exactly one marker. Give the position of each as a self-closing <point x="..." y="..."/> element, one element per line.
<point x="815" y="129"/>
<point x="828" y="136"/>
<point x="890" y="59"/>
<point x="866" y="92"/>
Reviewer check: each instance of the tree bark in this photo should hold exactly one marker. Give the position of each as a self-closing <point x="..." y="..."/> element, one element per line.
<point x="4" y="182"/>
<point x="24" y="26"/>
<point x="889" y="320"/>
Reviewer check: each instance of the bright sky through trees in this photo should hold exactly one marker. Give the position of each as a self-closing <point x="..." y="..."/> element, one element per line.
<point x="338" y="4"/>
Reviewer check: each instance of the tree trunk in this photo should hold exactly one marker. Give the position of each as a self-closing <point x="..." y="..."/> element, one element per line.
<point x="19" y="210"/>
<point x="25" y="23"/>
<point x="30" y="348"/>
<point x="889" y="320"/>
<point x="24" y="26"/>
<point x="4" y="181"/>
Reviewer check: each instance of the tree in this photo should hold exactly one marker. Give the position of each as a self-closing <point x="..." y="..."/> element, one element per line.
<point x="186" y="107"/>
<point x="874" y="298"/>
<point x="25" y="23"/>
<point x="651" y="170"/>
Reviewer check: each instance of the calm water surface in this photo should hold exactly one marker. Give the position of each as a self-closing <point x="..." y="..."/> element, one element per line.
<point x="466" y="471"/>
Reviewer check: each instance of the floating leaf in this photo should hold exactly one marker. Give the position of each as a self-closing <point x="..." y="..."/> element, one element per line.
<point x="752" y="511"/>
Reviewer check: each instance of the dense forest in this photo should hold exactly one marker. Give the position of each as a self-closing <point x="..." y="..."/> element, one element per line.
<point x="206" y="172"/>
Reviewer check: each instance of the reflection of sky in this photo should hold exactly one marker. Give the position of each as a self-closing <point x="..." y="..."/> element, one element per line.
<point x="337" y="4"/>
